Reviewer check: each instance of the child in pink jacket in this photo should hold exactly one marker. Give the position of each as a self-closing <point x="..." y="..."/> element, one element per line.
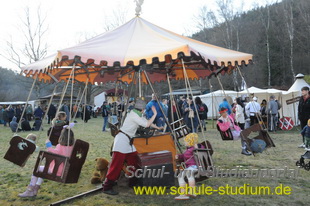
<point x="191" y="142"/>
<point x="64" y="147"/>
<point x="226" y="122"/>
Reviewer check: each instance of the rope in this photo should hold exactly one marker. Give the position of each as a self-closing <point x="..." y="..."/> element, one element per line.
<point x="48" y="107"/>
<point x="140" y="92"/>
<point x="23" y="113"/>
<point x="220" y="82"/>
<point x="85" y="107"/>
<point x="127" y="102"/>
<point x="61" y="99"/>
<point x="187" y="92"/>
<point x="196" y="110"/>
<point x="78" y="105"/>
<point x="214" y="112"/>
<point x="70" y="117"/>
<point x="71" y="96"/>
<point x="78" y="96"/>
<point x="203" y="134"/>
<point x="172" y="116"/>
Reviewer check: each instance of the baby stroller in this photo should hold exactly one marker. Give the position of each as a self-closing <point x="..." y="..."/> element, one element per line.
<point x="301" y="161"/>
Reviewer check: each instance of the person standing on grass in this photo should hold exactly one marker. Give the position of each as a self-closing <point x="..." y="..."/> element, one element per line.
<point x="164" y="105"/>
<point x="202" y="111"/>
<point x="51" y="113"/>
<point x="254" y="109"/>
<point x="304" y="110"/>
<point x="123" y="148"/>
<point x="10" y="113"/>
<point x="240" y="119"/>
<point x="181" y="102"/>
<point x="105" y="115"/>
<point x="66" y="109"/>
<point x="5" y="117"/>
<point x="272" y="111"/>
<point x="29" y="112"/>
<point x="1" y="115"/>
<point x="18" y="112"/>
<point x="38" y="113"/>
<point x="190" y="115"/>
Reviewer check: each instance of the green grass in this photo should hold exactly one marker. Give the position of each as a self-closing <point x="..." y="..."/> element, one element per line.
<point x="14" y="179"/>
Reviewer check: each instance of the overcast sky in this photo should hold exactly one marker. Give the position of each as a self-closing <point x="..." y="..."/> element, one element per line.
<point x="70" y="21"/>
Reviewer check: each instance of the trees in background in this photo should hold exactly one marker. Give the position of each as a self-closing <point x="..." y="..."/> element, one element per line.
<point x="278" y="35"/>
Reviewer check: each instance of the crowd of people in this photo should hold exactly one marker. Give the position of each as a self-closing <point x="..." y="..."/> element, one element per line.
<point x="247" y="113"/>
<point x="194" y="112"/>
<point x="243" y="114"/>
<point x="11" y="115"/>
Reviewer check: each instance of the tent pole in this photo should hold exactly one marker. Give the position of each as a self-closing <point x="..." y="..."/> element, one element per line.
<point x="129" y="96"/>
<point x="212" y="103"/>
<point x="62" y="96"/>
<point x="172" y="116"/>
<point x="281" y="104"/>
<point x="28" y="98"/>
<point x="48" y="108"/>
<point x="294" y="108"/>
<point x="140" y="95"/>
<point x="196" y="110"/>
<point x="81" y="98"/>
<point x="191" y="91"/>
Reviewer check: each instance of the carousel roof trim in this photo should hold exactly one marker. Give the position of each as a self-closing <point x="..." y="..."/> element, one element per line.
<point x="134" y="41"/>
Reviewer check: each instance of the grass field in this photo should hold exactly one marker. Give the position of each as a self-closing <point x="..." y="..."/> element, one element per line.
<point x="14" y="179"/>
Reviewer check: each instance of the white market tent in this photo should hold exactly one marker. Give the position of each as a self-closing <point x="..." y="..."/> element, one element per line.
<point x="182" y="92"/>
<point x="32" y="103"/>
<point x="262" y="94"/>
<point x="214" y="99"/>
<point x="99" y="99"/>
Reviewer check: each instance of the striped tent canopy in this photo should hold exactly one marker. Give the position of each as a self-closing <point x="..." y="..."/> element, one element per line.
<point x="137" y="46"/>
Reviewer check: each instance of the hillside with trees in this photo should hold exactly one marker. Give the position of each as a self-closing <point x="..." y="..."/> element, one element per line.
<point x="278" y="36"/>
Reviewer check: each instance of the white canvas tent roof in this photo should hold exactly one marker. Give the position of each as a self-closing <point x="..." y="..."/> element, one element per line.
<point x="219" y="93"/>
<point x="13" y="103"/>
<point x="178" y="92"/>
<point x="298" y="84"/>
<point x="255" y="90"/>
<point x="99" y="99"/>
<point x="32" y="103"/>
<point x="135" y="40"/>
